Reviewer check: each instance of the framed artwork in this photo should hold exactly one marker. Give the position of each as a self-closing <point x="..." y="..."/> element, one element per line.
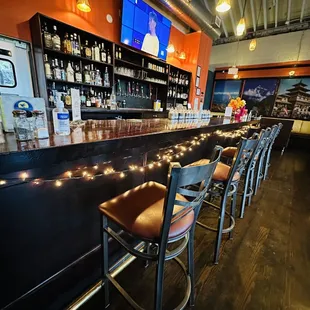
<point x="293" y="99"/>
<point x="197" y="91"/>
<point x="223" y="91"/>
<point x="259" y="95"/>
<point x="197" y="81"/>
<point x="198" y="71"/>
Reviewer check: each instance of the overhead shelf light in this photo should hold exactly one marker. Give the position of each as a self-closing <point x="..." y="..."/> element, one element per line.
<point x="241" y="27"/>
<point x="223" y="6"/>
<point x="83" y="5"/>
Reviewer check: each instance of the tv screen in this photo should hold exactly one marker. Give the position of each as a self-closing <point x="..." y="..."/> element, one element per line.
<point x="144" y="28"/>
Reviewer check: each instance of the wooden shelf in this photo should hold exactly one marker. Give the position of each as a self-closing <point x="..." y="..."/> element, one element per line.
<point x="77" y="83"/>
<point x="50" y="50"/>
<point x="128" y="63"/>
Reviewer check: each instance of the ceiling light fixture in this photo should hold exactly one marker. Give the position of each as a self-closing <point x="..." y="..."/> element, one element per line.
<point x="241" y="27"/>
<point x="83" y="5"/>
<point x="252" y="45"/>
<point x="170" y="48"/>
<point x="223" y="6"/>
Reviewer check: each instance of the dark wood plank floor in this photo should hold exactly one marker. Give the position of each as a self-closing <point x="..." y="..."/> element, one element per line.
<point x="265" y="266"/>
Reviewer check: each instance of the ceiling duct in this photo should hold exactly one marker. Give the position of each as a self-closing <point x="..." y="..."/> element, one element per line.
<point x="194" y="15"/>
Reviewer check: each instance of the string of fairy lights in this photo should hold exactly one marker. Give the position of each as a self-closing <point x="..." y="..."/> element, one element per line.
<point x="165" y="155"/>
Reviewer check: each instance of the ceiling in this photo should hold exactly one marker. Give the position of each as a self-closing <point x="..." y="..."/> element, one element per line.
<point x="262" y="17"/>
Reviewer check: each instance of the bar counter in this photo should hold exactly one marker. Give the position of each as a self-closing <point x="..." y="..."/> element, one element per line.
<point x="50" y="234"/>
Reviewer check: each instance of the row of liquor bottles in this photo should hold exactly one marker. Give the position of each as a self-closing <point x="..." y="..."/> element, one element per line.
<point x="177" y="92"/>
<point x="177" y="78"/>
<point x="71" y="44"/>
<point x="88" y="98"/>
<point x="74" y="73"/>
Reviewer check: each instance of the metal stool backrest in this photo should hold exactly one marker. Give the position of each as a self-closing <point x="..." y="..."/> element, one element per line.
<point x="279" y="127"/>
<point x="244" y="153"/>
<point x="178" y="179"/>
<point x="270" y="138"/>
<point x="262" y="140"/>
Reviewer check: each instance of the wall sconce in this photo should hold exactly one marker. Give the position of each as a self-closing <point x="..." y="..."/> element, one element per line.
<point x="83" y="5"/>
<point x="170" y="48"/>
<point x="252" y="46"/>
<point x="291" y="73"/>
<point x="182" y="55"/>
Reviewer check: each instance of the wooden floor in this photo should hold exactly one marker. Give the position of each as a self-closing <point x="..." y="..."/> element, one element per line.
<point x="265" y="266"/>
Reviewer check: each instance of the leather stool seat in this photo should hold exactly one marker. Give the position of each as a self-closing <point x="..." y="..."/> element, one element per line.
<point x="221" y="172"/>
<point x="229" y="151"/>
<point x="139" y="211"/>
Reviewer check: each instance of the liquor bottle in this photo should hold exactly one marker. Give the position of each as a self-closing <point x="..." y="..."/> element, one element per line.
<point x="98" y="101"/>
<point x="178" y="93"/>
<point x="96" y="52"/>
<point x="104" y="100"/>
<point x="70" y="73"/>
<point x="174" y="92"/>
<point x="109" y="58"/>
<point x="83" y="98"/>
<point x="106" y="81"/>
<point x="186" y="81"/>
<point x="87" y="50"/>
<point x="56" y="70"/>
<point x="119" y="88"/>
<point x="68" y="101"/>
<point x="98" y="79"/>
<point x="116" y="53"/>
<point x="66" y="45"/>
<point x="50" y="97"/>
<point x="119" y="53"/>
<point x="92" y="74"/>
<point x="47" y="37"/>
<point x="48" y="71"/>
<point x="88" y="102"/>
<point x="137" y="90"/>
<point x="129" y="90"/>
<point x="86" y="75"/>
<point x="92" y="98"/>
<point x="108" y="101"/>
<point x="72" y="42"/>
<point x="170" y="77"/>
<point x="177" y="78"/>
<point x="77" y="45"/>
<point x="133" y="89"/>
<point x="78" y="74"/>
<point x="62" y="71"/>
<point x="142" y="92"/>
<point x="103" y="54"/>
<point x="167" y="69"/>
<point x="170" y="92"/>
<point x="93" y="52"/>
<point x="56" y="40"/>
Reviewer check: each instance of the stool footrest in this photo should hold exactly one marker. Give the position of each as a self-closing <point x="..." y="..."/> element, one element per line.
<point x="225" y="230"/>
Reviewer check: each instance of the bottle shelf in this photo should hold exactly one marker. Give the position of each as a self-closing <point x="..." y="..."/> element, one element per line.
<point x="128" y="63"/>
<point x="137" y="79"/>
<point x="77" y="83"/>
<point x="76" y="57"/>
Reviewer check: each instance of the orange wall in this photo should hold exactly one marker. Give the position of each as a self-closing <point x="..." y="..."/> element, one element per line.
<point x="14" y="16"/>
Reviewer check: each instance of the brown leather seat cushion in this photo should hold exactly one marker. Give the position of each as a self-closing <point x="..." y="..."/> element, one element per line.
<point x="221" y="172"/>
<point x="139" y="211"/>
<point x="229" y="151"/>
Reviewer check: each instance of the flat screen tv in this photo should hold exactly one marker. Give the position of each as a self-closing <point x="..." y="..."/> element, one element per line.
<point x="144" y="28"/>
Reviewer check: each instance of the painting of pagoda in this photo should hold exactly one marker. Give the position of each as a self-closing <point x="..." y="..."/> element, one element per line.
<point x="293" y="99"/>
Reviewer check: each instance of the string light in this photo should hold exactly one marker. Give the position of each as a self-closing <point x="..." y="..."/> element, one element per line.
<point x="166" y="154"/>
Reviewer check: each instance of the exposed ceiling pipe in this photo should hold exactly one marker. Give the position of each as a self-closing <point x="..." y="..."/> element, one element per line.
<point x="265" y="14"/>
<point x="193" y="15"/>
<point x="224" y="28"/>
<point x="222" y="17"/>
<point x="302" y="10"/>
<point x="276" y="15"/>
<point x="253" y="15"/>
<point x="233" y="22"/>
<point x="289" y="3"/>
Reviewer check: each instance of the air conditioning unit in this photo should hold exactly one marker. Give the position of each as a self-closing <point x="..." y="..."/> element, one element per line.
<point x="217" y="21"/>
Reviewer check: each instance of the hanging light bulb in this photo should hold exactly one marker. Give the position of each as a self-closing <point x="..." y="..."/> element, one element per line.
<point x="83" y="5"/>
<point x="241" y="27"/>
<point x="223" y="6"/>
<point x="170" y="48"/>
<point x="252" y="45"/>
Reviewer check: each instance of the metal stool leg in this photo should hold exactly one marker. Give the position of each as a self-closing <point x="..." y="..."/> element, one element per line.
<point x="245" y="193"/>
<point x="233" y="210"/>
<point x="251" y="185"/>
<point x="220" y="230"/>
<point x="105" y="260"/>
<point x="267" y="164"/>
<point x="159" y="285"/>
<point x="147" y="251"/>
<point x="190" y="262"/>
<point x="259" y="171"/>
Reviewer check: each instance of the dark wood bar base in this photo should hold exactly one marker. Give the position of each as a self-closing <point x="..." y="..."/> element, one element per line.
<point x="50" y="236"/>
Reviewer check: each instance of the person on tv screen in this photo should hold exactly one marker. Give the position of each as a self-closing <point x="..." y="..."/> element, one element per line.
<point x="150" y="42"/>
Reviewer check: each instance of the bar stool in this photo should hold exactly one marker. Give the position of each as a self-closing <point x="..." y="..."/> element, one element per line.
<point x="224" y="185"/>
<point x="249" y="173"/>
<point x="158" y="215"/>
<point x="267" y="164"/>
<point x="260" y="169"/>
